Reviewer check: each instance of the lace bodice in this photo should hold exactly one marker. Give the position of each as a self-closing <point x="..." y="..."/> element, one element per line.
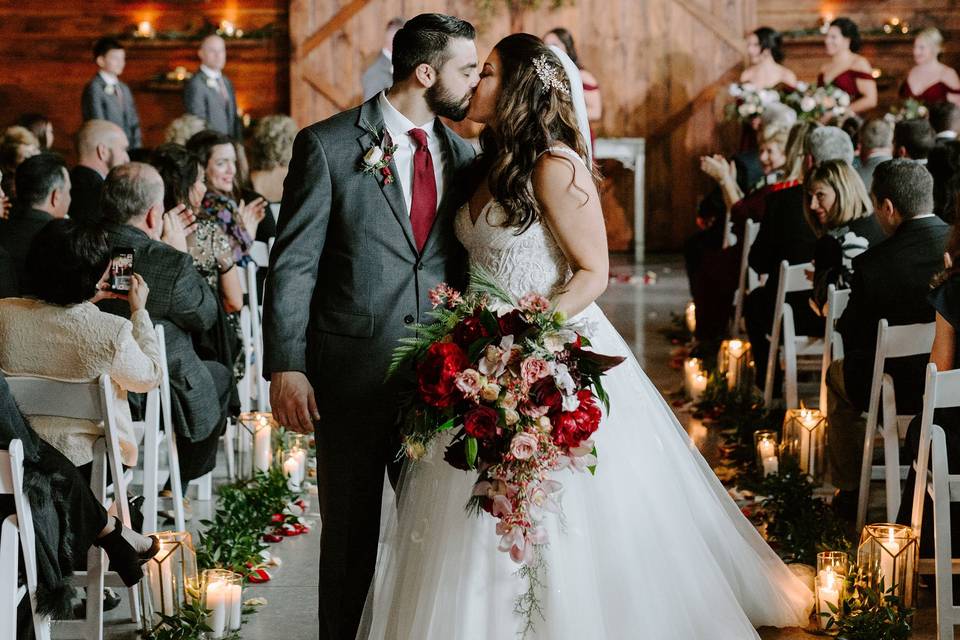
<point x="529" y="262"/>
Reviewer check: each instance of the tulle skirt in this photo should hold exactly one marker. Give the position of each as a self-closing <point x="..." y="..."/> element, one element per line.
<point x="650" y="547"/>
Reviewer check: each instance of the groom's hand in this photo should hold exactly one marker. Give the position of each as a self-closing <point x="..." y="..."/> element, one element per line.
<point x="293" y="402"/>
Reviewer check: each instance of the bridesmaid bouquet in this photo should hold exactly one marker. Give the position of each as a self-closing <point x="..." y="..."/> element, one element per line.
<point x="520" y="391"/>
<point x="748" y="101"/>
<point x="910" y="109"/>
<point x="816" y="103"/>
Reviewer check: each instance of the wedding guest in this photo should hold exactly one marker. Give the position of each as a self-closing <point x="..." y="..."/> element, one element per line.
<point x="944" y="165"/>
<point x="379" y="75"/>
<point x="562" y="38"/>
<point x="839" y="211"/>
<point x="44" y="187"/>
<point x="847" y="70"/>
<point x="930" y="81"/>
<point x="270" y="149"/>
<point x="765" y="52"/>
<point x="101" y="146"/>
<point x="183" y="128"/>
<point x="876" y="146"/>
<point x="209" y="93"/>
<point x="40" y="126"/>
<point x="913" y="139"/>
<point x="785" y="235"/>
<point x="60" y="333"/>
<point x="945" y="119"/>
<point x="180" y="300"/>
<point x="890" y="281"/>
<point x="106" y="97"/>
<point x="16" y="145"/>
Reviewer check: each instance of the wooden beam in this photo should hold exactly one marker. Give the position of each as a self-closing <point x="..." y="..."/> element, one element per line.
<point x="332" y="25"/>
<point x="331" y="92"/>
<point x="713" y="22"/>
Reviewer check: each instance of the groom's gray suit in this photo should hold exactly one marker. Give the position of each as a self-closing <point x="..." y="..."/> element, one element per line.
<point x="345" y="283"/>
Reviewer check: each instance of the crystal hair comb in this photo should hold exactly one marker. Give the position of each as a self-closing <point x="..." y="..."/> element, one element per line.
<point x="550" y="75"/>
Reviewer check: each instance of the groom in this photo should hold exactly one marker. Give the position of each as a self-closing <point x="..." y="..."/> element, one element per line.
<point x="365" y="231"/>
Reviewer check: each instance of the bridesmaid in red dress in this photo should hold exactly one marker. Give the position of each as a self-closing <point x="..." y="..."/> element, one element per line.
<point x="847" y="70"/>
<point x="562" y="38"/>
<point x="930" y="81"/>
<point x="765" y="51"/>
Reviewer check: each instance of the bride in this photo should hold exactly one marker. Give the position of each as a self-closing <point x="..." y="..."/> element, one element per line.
<point x="651" y="546"/>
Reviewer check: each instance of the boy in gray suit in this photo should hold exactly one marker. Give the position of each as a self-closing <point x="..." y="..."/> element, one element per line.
<point x="107" y="98"/>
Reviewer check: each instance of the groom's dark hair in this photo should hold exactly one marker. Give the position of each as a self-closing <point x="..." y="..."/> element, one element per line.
<point x="424" y="39"/>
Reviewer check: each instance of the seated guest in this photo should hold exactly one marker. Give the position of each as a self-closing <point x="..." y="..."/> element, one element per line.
<point x="876" y="146"/>
<point x="913" y="139"/>
<point x="44" y="187"/>
<point x="16" y="145"/>
<point x="106" y="97"/>
<point x="183" y="128"/>
<point x="270" y="149"/>
<point x="60" y="333"/>
<point x="945" y="120"/>
<point x="180" y="300"/>
<point x="890" y="281"/>
<point x="8" y="277"/>
<point x="944" y="166"/>
<point x="930" y="81"/>
<point x="40" y="126"/>
<point x="838" y="210"/>
<point x="101" y="145"/>
<point x="223" y="201"/>
<point x="785" y="235"/>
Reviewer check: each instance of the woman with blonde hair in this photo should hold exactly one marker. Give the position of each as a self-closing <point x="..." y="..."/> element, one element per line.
<point x="930" y="80"/>
<point x="839" y="211"/>
<point x="270" y="149"/>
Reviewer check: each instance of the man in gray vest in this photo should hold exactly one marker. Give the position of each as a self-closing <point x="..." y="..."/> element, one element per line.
<point x="209" y="93"/>
<point x="107" y="98"/>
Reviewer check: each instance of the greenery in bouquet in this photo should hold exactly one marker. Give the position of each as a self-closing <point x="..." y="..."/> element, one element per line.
<point x="749" y="101"/>
<point x="818" y="103"/>
<point x="868" y="612"/>
<point x="909" y="109"/>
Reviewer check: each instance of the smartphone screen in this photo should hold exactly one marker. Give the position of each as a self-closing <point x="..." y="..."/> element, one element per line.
<point x="121" y="269"/>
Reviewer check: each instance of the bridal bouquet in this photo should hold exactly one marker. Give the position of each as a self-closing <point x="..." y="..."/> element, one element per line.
<point x="520" y="393"/>
<point x="813" y="103"/>
<point x="749" y="101"/>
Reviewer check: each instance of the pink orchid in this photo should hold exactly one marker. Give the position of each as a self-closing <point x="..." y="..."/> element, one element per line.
<point x="495" y="359"/>
<point x="511" y="539"/>
<point x="501" y="506"/>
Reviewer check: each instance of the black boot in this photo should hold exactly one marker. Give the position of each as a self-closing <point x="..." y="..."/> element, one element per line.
<point x="124" y="559"/>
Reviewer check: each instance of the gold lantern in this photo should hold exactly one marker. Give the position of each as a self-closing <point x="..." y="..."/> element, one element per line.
<point x="830" y="583"/>
<point x="735" y="362"/>
<point x="168" y="578"/>
<point x="804" y="440"/>
<point x="765" y="444"/>
<point x="223" y="598"/>
<point x="889" y="553"/>
<point x="255" y="443"/>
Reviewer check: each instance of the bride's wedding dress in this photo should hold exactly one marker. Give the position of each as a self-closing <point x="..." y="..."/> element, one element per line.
<point x="650" y="548"/>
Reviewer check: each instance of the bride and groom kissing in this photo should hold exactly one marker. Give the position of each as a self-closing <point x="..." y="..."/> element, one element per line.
<point x="382" y="203"/>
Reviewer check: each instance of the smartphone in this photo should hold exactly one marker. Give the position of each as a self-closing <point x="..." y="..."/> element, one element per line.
<point x="121" y="269"/>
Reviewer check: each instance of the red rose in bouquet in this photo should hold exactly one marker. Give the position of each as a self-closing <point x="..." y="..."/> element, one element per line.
<point x="513" y="324"/>
<point x="573" y="427"/>
<point x="437" y="372"/>
<point x="544" y="393"/>
<point x="481" y="423"/>
<point x="469" y="330"/>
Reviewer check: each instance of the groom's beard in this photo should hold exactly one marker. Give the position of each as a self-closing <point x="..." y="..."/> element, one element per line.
<point x="443" y="103"/>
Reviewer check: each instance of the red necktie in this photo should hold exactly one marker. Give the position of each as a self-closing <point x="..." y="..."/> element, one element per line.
<point x="423" y="206"/>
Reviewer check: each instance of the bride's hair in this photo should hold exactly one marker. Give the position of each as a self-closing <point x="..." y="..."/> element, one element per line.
<point x="532" y="117"/>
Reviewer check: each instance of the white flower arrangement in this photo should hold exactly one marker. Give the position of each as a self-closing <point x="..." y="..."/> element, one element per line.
<point x="749" y="101"/>
<point x="814" y="103"/>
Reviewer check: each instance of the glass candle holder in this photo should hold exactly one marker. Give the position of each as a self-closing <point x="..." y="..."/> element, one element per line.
<point x="255" y="443"/>
<point x="223" y="597"/>
<point x="830" y="584"/>
<point x="164" y="587"/>
<point x="765" y="445"/>
<point x="889" y="553"/>
<point x="804" y="440"/>
<point x="735" y="361"/>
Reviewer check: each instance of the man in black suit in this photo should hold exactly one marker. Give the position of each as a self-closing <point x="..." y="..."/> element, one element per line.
<point x="106" y="97"/>
<point x="43" y="194"/>
<point x="209" y="93"/>
<point x="785" y="235"/>
<point x="914" y="139"/>
<point x="945" y="120"/>
<point x="101" y="146"/>
<point x="180" y="300"/>
<point x="890" y="280"/>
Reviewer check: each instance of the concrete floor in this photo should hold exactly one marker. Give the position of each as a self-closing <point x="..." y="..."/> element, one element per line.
<point x="639" y="311"/>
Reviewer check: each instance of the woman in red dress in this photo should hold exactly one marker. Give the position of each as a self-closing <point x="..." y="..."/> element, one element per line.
<point x="562" y="38"/>
<point x="930" y="81"/>
<point x="765" y="51"/>
<point x="847" y="70"/>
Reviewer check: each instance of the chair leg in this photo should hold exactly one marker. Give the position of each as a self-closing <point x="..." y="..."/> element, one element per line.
<point x="95" y="558"/>
<point x="9" y="543"/>
<point x="229" y="437"/>
<point x="175" y="487"/>
<point x="204" y="486"/>
<point x="943" y="553"/>
<point x="151" y="466"/>
<point x="865" y="472"/>
<point x="891" y="463"/>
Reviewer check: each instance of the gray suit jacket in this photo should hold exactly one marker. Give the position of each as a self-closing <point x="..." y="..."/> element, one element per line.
<point x="202" y="98"/>
<point x="378" y="77"/>
<point x="182" y="301"/>
<point x="346" y="280"/>
<point x="118" y="107"/>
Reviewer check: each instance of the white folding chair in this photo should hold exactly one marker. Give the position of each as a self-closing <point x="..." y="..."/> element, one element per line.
<point x="17" y="537"/>
<point x="892" y="342"/>
<point x="260" y="252"/>
<point x="942" y="391"/>
<point x="837" y="301"/>
<point x="85" y="401"/>
<point x="749" y="280"/>
<point x="798" y="351"/>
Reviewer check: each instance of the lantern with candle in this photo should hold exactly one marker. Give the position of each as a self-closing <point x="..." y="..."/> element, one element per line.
<point x="690" y="316"/>
<point x="223" y="597"/>
<point x="889" y="553"/>
<point x="832" y="568"/>
<point x="255" y="443"/>
<point x="168" y="577"/>
<point x="735" y="361"/>
<point x="765" y="443"/>
<point x="804" y="439"/>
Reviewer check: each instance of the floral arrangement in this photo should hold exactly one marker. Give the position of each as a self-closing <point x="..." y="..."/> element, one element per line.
<point x="749" y="101"/>
<point x="815" y="103"/>
<point x="910" y="109"/>
<point x="519" y="391"/>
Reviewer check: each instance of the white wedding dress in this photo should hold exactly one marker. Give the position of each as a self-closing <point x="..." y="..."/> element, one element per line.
<point x="651" y="547"/>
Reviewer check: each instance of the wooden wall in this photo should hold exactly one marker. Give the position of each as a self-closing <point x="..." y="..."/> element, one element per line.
<point x="46" y="46"/>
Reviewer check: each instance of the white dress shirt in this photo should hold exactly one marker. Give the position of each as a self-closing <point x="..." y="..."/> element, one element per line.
<point x="109" y="78"/>
<point x="210" y="73"/>
<point x="397" y="126"/>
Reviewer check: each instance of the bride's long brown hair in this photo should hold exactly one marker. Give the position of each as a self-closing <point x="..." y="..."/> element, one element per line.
<point x="531" y="117"/>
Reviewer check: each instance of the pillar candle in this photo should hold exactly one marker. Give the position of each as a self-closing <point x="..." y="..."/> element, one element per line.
<point x="236" y="602"/>
<point x="887" y="560"/>
<point x="261" y="447"/>
<point x="828" y="591"/>
<point x="217" y="603"/>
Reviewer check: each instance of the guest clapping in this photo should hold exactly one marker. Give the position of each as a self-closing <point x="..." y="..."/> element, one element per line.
<point x="847" y="70"/>
<point x="930" y="81"/>
<point x="765" y="51"/>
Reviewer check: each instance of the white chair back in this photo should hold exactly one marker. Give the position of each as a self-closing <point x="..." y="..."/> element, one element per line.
<point x="749" y="280"/>
<point x="837" y="300"/>
<point x="261" y="250"/>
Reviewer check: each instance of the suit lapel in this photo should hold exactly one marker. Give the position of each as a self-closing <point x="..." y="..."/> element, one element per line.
<point x="371" y="121"/>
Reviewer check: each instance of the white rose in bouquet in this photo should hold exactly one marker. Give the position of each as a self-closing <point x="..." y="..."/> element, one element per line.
<point x="808" y="104"/>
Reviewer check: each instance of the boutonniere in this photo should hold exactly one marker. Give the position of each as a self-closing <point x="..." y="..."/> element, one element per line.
<point x="378" y="157"/>
<point x="110" y="89"/>
<point x="212" y="83"/>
